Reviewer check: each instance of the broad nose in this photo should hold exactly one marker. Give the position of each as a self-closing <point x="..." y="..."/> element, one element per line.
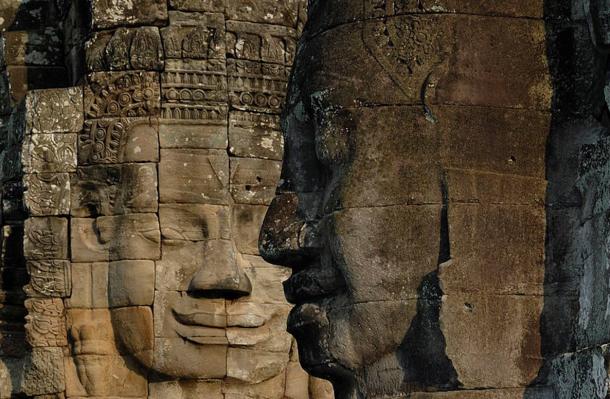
<point x="220" y="275"/>
<point x="287" y="237"/>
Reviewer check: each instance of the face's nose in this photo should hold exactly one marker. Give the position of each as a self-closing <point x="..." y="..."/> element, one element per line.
<point x="288" y="237"/>
<point x="221" y="276"/>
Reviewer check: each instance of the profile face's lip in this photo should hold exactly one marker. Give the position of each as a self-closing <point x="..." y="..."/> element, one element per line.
<point x="312" y="284"/>
<point x="306" y="318"/>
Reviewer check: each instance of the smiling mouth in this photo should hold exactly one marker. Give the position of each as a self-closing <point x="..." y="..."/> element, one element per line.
<point x="210" y="328"/>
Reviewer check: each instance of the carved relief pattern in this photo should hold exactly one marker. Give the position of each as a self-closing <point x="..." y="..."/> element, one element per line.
<point x="49" y="153"/>
<point x="103" y="139"/>
<point x="47" y="194"/>
<point x="49" y="278"/>
<point x="45" y="323"/>
<point x="122" y="94"/>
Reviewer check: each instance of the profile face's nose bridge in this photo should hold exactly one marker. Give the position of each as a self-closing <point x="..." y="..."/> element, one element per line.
<point x="220" y="275"/>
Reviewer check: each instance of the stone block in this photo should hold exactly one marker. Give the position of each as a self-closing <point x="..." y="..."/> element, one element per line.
<point x="246" y="222"/>
<point x="131" y="283"/>
<point x="122" y="94"/>
<point x="172" y="309"/>
<point x="182" y="260"/>
<point x="47" y="194"/>
<point x="194" y="81"/>
<point x="254" y="366"/>
<point x="253" y="181"/>
<point x="119" y="140"/>
<point x="12" y="243"/>
<point x="45" y="322"/>
<point x="508" y="336"/>
<point x="134" y="236"/>
<point x="256" y="87"/>
<point x="177" y="135"/>
<point x="179" y="357"/>
<point x="320" y="389"/>
<point x="89" y="285"/>
<point x="258" y="327"/>
<point x="136" y="48"/>
<point x="194" y="222"/>
<point x="45" y="238"/>
<point x="134" y="333"/>
<point x="260" y="42"/>
<point x="44" y="372"/>
<point x="91" y="332"/>
<point x="185" y="389"/>
<point x="194" y="36"/>
<point x="266" y="280"/>
<point x="273" y="388"/>
<point x="194" y="176"/>
<point x="476" y="187"/>
<point x="505" y="241"/>
<point x="108" y="14"/>
<point x="88" y="376"/>
<point x="49" y="153"/>
<point x="54" y="110"/>
<point x="254" y="135"/>
<point x="114" y="190"/>
<point x="49" y="278"/>
<point x="494" y="140"/>
<point x="264" y="12"/>
<point x="114" y="284"/>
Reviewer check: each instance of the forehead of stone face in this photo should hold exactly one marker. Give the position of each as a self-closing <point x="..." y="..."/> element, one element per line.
<point x="324" y="14"/>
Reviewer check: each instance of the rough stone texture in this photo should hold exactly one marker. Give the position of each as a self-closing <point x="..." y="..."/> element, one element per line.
<point x="413" y="204"/>
<point x="132" y="200"/>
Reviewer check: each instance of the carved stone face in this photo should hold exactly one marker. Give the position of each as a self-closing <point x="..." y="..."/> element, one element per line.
<point x="343" y="218"/>
<point x="387" y="129"/>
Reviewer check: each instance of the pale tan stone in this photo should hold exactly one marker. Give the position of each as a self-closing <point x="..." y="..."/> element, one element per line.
<point x="185" y="389"/>
<point x="134" y="333"/>
<point x="44" y="372"/>
<point x="255" y="366"/>
<point x="506" y="326"/>
<point x="176" y="135"/>
<point x="45" y="322"/>
<point x="246" y="222"/>
<point x="88" y="376"/>
<point x="133" y="236"/>
<point x="194" y="176"/>
<point x="198" y="265"/>
<point x="297" y="382"/>
<point x="91" y="332"/>
<point x="179" y="357"/>
<point x="173" y="309"/>
<point x="131" y="283"/>
<point x="253" y="181"/>
<point x="46" y="238"/>
<point x="273" y="388"/>
<point x="90" y="285"/>
<point x="194" y="222"/>
<point x="114" y="190"/>
<point x="320" y="389"/>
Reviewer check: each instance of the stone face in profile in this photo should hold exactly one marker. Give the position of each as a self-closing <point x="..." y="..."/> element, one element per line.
<point x="414" y="170"/>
